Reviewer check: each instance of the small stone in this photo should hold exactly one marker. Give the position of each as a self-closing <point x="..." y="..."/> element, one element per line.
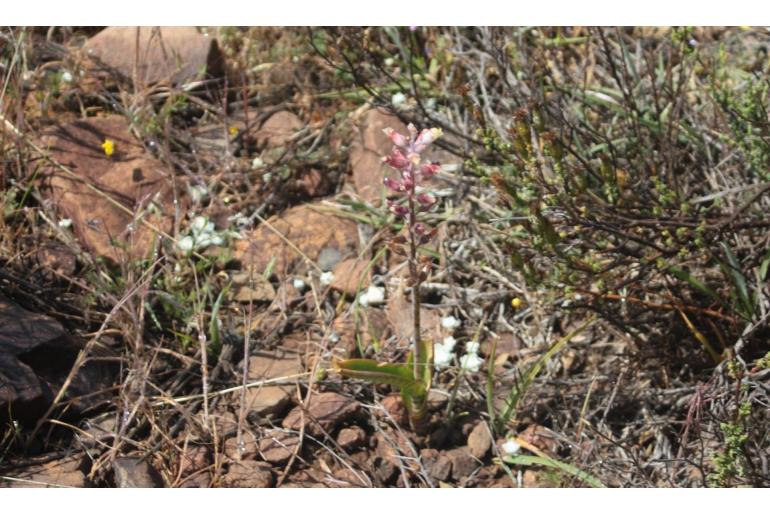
<point x="438" y="465"/>
<point x="277" y="446"/>
<point x="394" y="406"/>
<point x="437" y="400"/>
<point x="269" y="401"/>
<point x="132" y="472"/>
<point x="256" y="289"/>
<point x="479" y="441"/>
<point x="248" y="447"/>
<point x="463" y="463"/>
<point x="278" y="130"/>
<point x="351" y="438"/>
<point x="249" y="474"/>
<point x="325" y="411"/>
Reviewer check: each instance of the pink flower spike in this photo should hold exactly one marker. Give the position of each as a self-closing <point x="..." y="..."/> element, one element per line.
<point x="393" y="185"/>
<point x="428" y="170"/>
<point x="412" y="130"/>
<point x="398" y="139"/>
<point x="397" y="209"/>
<point x="426" y="199"/>
<point x="419" y="229"/>
<point x="397" y="159"/>
<point x="426" y="137"/>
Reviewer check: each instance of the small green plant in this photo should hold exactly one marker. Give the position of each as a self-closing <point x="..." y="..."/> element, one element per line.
<point x="729" y="462"/>
<point x="413" y="378"/>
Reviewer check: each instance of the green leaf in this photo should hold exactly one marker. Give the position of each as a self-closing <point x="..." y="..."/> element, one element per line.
<point x="544" y="461"/>
<point x="733" y="269"/>
<point x="394" y="374"/>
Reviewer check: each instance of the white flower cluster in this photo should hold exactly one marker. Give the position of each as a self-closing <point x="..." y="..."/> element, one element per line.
<point x="443" y="351"/>
<point x="202" y="235"/>
<point x="373" y="296"/>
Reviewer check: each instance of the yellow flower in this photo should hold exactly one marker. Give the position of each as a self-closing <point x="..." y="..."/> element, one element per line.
<point x="516" y="303"/>
<point x="233" y="131"/>
<point x="109" y="147"/>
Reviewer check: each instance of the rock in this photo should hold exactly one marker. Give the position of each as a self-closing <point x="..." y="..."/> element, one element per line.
<point x="325" y="411"/>
<point x="195" y="459"/>
<point x="107" y="194"/>
<point x="101" y="428"/>
<point x="56" y="260"/>
<point x="372" y="325"/>
<point x="174" y="54"/>
<point x="394" y="406"/>
<point x="32" y="337"/>
<point x="367" y="151"/>
<point x="438" y="466"/>
<point x="132" y="472"/>
<point x="479" y="441"/>
<point x="346" y="478"/>
<point x="399" y="312"/>
<point x="351" y="276"/>
<point x="279" y="129"/>
<point x="309" y="230"/>
<point x="248" y="447"/>
<point x="65" y="472"/>
<point x="249" y="474"/>
<point x="463" y="463"/>
<point x="270" y="400"/>
<point x="542" y="438"/>
<point x="277" y="446"/>
<point x="351" y="438"/>
<point x="254" y="289"/>
<point x="437" y="400"/>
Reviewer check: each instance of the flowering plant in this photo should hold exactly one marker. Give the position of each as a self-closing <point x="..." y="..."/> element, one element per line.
<point x="408" y="200"/>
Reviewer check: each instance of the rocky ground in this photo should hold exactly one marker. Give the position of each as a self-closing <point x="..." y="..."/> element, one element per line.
<point x="190" y="239"/>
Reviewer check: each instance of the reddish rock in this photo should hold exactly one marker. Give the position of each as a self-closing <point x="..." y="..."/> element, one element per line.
<point x="277" y="446"/>
<point x="351" y="276"/>
<point x="367" y="151"/>
<point x="325" y="411"/>
<point x="108" y="199"/>
<point x="479" y="441"/>
<point x="270" y="400"/>
<point x="174" y="54"/>
<point x="246" y="448"/>
<point x="438" y="465"/>
<point x="351" y="438"/>
<point x="399" y="312"/>
<point x="65" y="472"/>
<point x="463" y="463"/>
<point x="279" y="129"/>
<point x="394" y="406"/>
<point x="308" y="229"/>
<point x="134" y="472"/>
<point x="249" y="474"/>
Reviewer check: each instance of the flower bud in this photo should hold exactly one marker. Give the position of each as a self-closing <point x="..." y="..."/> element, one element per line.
<point x="398" y="139"/>
<point x="394" y="185"/>
<point x="426" y="199"/>
<point x="426" y="137"/>
<point x="428" y="170"/>
<point x="397" y="159"/>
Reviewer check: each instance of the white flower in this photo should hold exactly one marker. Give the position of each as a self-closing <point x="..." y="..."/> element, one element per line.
<point x="257" y="163"/>
<point x="442" y="352"/>
<point x="511" y="446"/>
<point x="66" y="77"/>
<point x="186" y="244"/>
<point x="65" y="222"/>
<point x="375" y="295"/>
<point x="201" y="224"/>
<point x="198" y="192"/>
<point x="398" y="99"/>
<point x="326" y="278"/>
<point x="472" y="347"/>
<point x="471" y="362"/>
<point x="299" y="284"/>
<point x="450" y="322"/>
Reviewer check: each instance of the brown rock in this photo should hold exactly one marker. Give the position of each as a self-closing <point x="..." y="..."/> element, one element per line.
<point x="479" y="441"/>
<point x="174" y="54"/>
<point x="277" y="446"/>
<point x="399" y="312"/>
<point x="311" y="231"/>
<point x="246" y="449"/>
<point x="438" y="466"/>
<point x="278" y="130"/>
<point x="56" y="259"/>
<point x="346" y="478"/>
<point x="252" y="289"/>
<point x="541" y="437"/>
<point x="270" y="400"/>
<point x="66" y="472"/>
<point x="437" y="400"/>
<point x="109" y="199"/>
<point x="463" y="463"/>
<point x="351" y="276"/>
<point x="249" y="474"/>
<point x="394" y="405"/>
<point x="325" y="411"/>
<point x="351" y="438"/>
<point x="195" y="458"/>
<point x="367" y="151"/>
<point x="132" y="472"/>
